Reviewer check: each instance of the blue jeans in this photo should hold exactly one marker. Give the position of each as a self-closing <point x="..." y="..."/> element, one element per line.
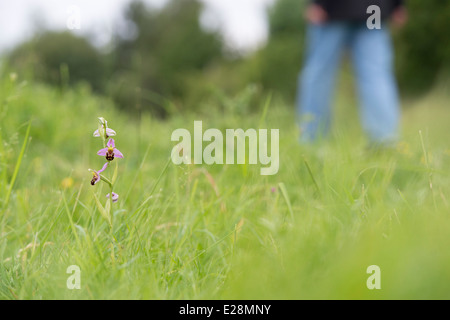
<point x="371" y="53"/>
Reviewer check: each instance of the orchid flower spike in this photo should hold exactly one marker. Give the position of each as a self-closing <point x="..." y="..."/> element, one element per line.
<point x="96" y="177"/>
<point x="110" y="152"/>
<point x="114" y="198"/>
<point x="103" y="130"/>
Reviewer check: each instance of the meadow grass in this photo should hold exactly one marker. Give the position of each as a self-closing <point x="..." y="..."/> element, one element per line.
<point x="222" y="231"/>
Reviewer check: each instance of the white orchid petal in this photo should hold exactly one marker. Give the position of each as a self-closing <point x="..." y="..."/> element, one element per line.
<point x="110" y="132"/>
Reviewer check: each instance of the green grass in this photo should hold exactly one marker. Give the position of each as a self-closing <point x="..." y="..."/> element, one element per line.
<point x="223" y="231"/>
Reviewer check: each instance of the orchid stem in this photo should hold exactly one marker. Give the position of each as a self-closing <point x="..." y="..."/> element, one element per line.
<point x="111" y="225"/>
<point x="106" y="180"/>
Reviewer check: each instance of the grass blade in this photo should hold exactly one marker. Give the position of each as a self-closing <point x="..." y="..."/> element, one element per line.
<point x="286" y="198"/>
<point x="18" y="163"/>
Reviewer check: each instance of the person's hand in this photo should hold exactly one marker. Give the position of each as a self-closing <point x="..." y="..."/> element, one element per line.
<point x="315" y="14"/>
<point x="399" y="17"/>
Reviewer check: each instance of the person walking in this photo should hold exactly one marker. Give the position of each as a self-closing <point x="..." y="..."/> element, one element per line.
<point x="335" y="25"/>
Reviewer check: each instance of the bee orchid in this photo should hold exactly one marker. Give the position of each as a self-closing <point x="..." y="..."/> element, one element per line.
<point x="114" y="198"/>
<point x="103" y="130"/>
<point x="109" y="133"/>
<point x="96" y="177"/>
<point x="110" y="151"/>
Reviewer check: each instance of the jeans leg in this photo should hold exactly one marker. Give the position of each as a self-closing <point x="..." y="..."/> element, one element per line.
<point x="372" y="58"/>
<point x="315" y="82"/>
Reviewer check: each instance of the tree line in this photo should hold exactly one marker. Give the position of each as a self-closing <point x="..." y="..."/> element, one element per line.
<point x="171" y="63"/>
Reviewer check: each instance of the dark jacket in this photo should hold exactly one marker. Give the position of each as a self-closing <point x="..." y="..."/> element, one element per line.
<point x="356" y="10"/>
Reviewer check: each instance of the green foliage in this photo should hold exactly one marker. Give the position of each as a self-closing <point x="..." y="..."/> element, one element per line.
<point x="223" y="231"/>
<point x="169" y="46"/>
<point x="61" y="59"/>
<point x="423" y="50"/>
<point x="276" y="66"/>
<point x="164" y="62"/>
<point x="286" y="17"/>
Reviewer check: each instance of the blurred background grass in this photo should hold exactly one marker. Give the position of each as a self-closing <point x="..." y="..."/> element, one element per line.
<point x="220" y="231"/>
<point x="214" y="232"/>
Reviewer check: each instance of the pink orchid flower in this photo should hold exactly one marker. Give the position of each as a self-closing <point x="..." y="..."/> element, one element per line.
<point x="96" y="174"/>
<point x="115" y="196"/>
<point x="103" y="130"/>
<point x="111" y="151"/>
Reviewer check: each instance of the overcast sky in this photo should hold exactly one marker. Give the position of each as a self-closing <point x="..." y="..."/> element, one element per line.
<point x="242" y="22"/>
